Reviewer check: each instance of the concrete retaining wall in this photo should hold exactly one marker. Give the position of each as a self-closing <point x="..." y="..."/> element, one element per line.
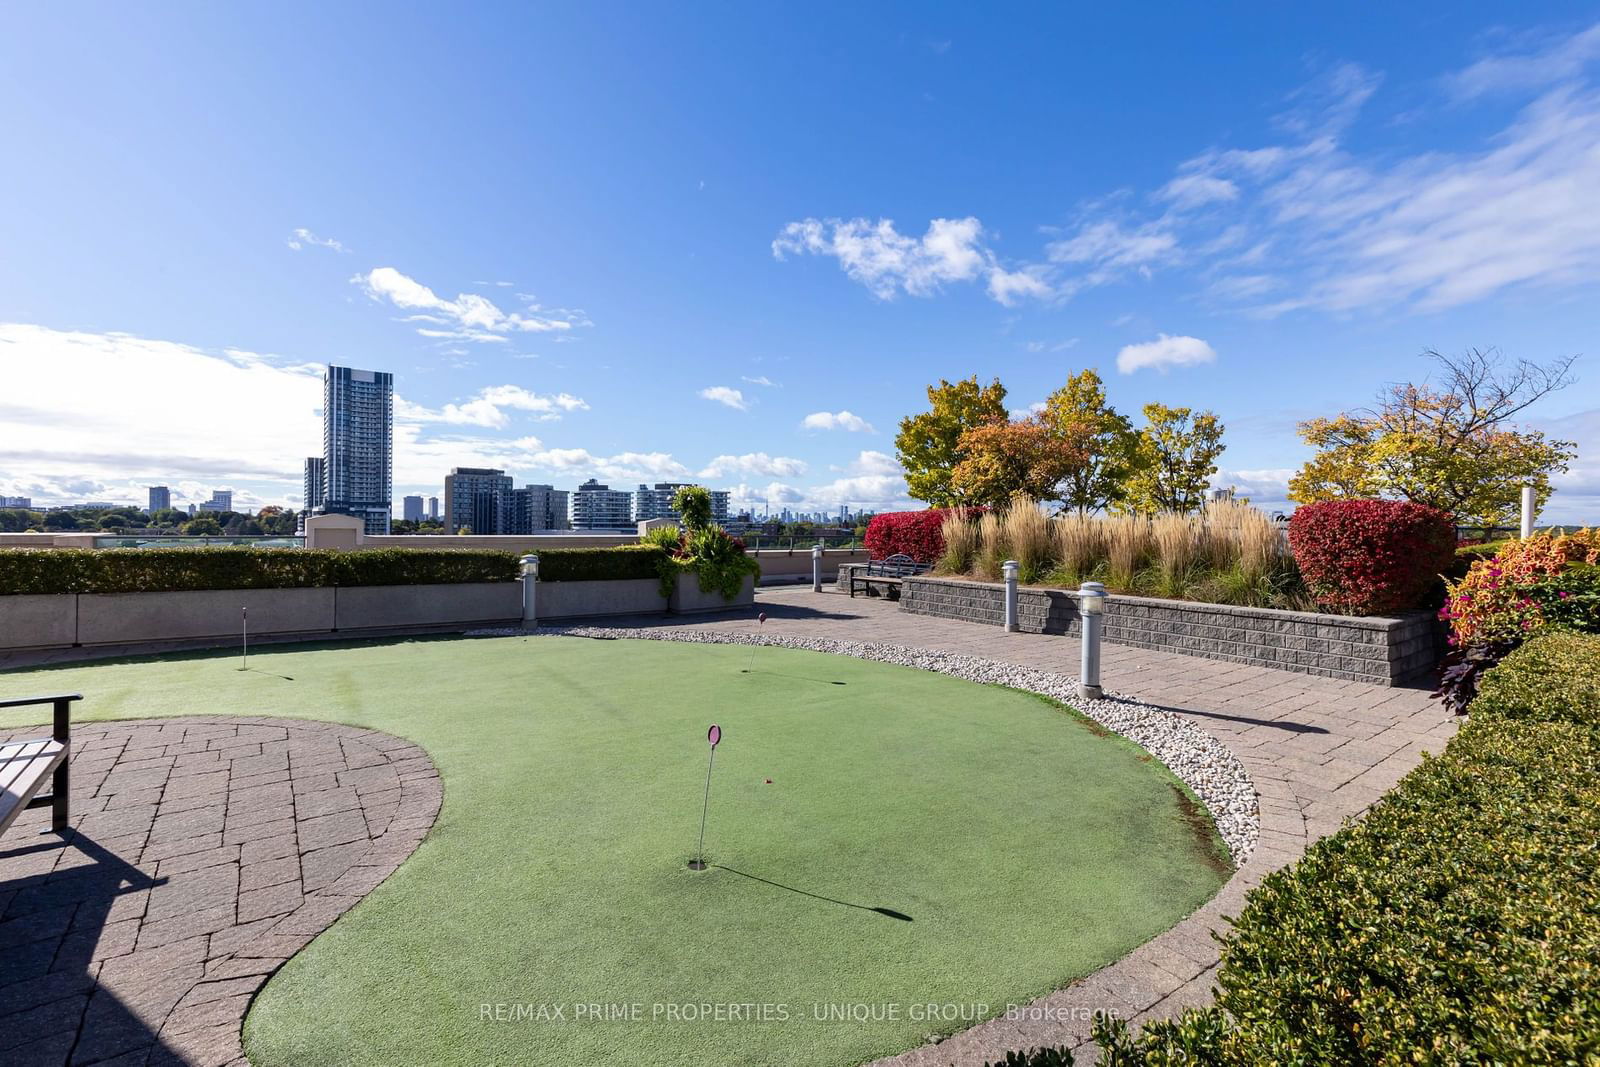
<point x="783" y="566"/>
<point x="1383" y="651"/>
<point x="38" y="621"/>
<point x="688" y="598"/>
<point x="33" y="622"/>
<point x="127" y="618"/>
<point x="578" y="600"/>
<point x="374" y="607"/>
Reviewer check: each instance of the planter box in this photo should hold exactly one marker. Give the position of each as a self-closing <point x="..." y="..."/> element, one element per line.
<point x="128" y="618"/>
<point x="1382" y="651"/>
<point x="378" y="607"/>
<point x="688" y="598"/>
<point x="38" y="621"/>
<point x="578" y="600"/>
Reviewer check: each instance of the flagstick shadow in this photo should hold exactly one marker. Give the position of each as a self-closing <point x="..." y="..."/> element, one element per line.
<point x="888" y="912"/>
<point x="795" y="677"/>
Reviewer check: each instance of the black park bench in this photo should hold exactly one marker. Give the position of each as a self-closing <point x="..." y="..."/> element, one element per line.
<point x="888" y="572"/>
<point x="25" y="764"/>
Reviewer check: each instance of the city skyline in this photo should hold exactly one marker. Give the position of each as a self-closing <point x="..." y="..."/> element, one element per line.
<point x="755" y="274"/>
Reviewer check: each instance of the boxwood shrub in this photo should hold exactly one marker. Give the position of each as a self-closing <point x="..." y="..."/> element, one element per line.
<point x="1454" y="923"/>
<point x="601" y="564"/>
<point x="152" y="570"/>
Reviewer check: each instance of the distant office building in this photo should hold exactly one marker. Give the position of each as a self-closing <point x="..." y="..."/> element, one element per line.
<point x="357" y="445"/>
<point x="433" y="508"/>
<point x="412" y="509"/>
<point x="160" y="499"/>
<point x="316" y="484"/>
<point x="221" y="500"/>
<point x="600" y="507"/>
<point x="537" y="508"/>
<point x="1220" y="496"/>
<point x="191" y="510"/>
<point x="655" y="502"/>
<point x="24" y="502"/>
<point x="478" y="498"/>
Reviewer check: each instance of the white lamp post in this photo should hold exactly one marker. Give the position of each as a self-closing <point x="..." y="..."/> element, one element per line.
<point x="530" y="584"/>
<point x="1527" y="511"/>
<point x="816" y="567"/>
<point x="1008" y="571"/>
<point x="1091" y="609"/>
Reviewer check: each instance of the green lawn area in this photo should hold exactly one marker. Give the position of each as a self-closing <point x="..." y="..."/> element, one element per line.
<point x="1027" y="847"/>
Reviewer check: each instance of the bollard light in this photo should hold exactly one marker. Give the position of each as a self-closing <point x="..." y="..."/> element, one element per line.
<point x="816" y="567"/>
<point x="1008" y="571"/>
<point x="1091" y="612"/>
<point x="530" y="582"/>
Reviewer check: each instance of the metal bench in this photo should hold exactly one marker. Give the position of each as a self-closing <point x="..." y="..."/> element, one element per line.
<point x="25" y="764"/>
<point x="888" y="572"/>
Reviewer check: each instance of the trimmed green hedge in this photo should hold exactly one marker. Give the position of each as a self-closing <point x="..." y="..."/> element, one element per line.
<point x="1455" y="923"/>
<point x="151" y="570"/>
<point x="601" y="564"/>
<point x="1553" y="678"/>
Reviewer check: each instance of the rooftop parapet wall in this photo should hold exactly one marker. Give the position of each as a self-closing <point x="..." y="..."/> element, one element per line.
<point x="1383" y="651"/>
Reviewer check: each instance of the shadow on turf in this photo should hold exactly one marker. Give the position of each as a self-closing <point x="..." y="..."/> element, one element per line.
<point x="796" y="677"/>
<point x="889" y="912"/>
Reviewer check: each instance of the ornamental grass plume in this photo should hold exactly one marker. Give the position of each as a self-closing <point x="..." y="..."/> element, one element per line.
<point x="1177" y="544"/>
<point x="960" y="533"/>
<point x="1128" y="547"/>
<point x="1080" y="545"/>
<point x="1026" y="531"/>
<point x="992" y="547"/>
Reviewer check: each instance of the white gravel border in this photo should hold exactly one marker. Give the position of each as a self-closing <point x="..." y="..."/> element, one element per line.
<point x="1199" y="760"/>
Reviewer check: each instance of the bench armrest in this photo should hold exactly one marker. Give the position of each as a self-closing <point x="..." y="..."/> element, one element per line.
<point x="62" y="702"/>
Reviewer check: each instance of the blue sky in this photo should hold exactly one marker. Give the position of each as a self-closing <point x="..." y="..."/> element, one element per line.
<point x="734" y="244"/>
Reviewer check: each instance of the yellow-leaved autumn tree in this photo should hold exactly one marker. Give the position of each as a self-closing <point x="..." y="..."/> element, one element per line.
<point x="1451" y="446"/>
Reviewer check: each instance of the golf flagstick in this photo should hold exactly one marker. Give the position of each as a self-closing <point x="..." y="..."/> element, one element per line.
<point x="761" y="620"/>
<point x="244" y="648"/>
<point x="713" y="735"/>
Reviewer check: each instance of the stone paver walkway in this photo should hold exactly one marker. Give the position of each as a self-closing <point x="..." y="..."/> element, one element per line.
<point x="1319" y="750"/>
<point x="205" y="853"/>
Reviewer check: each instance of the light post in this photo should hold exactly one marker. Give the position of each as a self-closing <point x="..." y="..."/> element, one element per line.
<point x="1527" y="512"/>
<point x="1008" y="571"/>
<point x="816" y="567"/>
<point x="1091" y="611"/>
<point x="530" y="585"/>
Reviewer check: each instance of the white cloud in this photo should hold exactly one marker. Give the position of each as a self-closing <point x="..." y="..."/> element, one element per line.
<point x="726" y="396"/>
<point x="836" y="420"/>
<point x="1344" y="231"/>
<point x="1109" y="247"/>
<point x="888" y="262"/>
<point x="1051" y="346"/>
<point x="622" y="467"/>
<point x="758" y="464"/>
<point x="1035" y="408"/>
<point x="1550" y="61"/>
<point x="76" y="416"/>
<point x="489" y="408"/>
<point x="303" y="237"/>
<point x="872" y="462"/>
<point x="1006" y="286"/>
<point x="1165" y="351"/>
<point x="761" y="380"/>
<point x="1195" y="190"/>
<point x="469" y="317"/>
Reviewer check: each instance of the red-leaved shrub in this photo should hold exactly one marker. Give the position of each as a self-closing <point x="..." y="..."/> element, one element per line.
<point x="914" y="533"/>
<point x="1371" y="557"/>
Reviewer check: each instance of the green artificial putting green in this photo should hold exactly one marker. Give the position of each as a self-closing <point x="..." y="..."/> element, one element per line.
<point x="1025" y="845"/>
